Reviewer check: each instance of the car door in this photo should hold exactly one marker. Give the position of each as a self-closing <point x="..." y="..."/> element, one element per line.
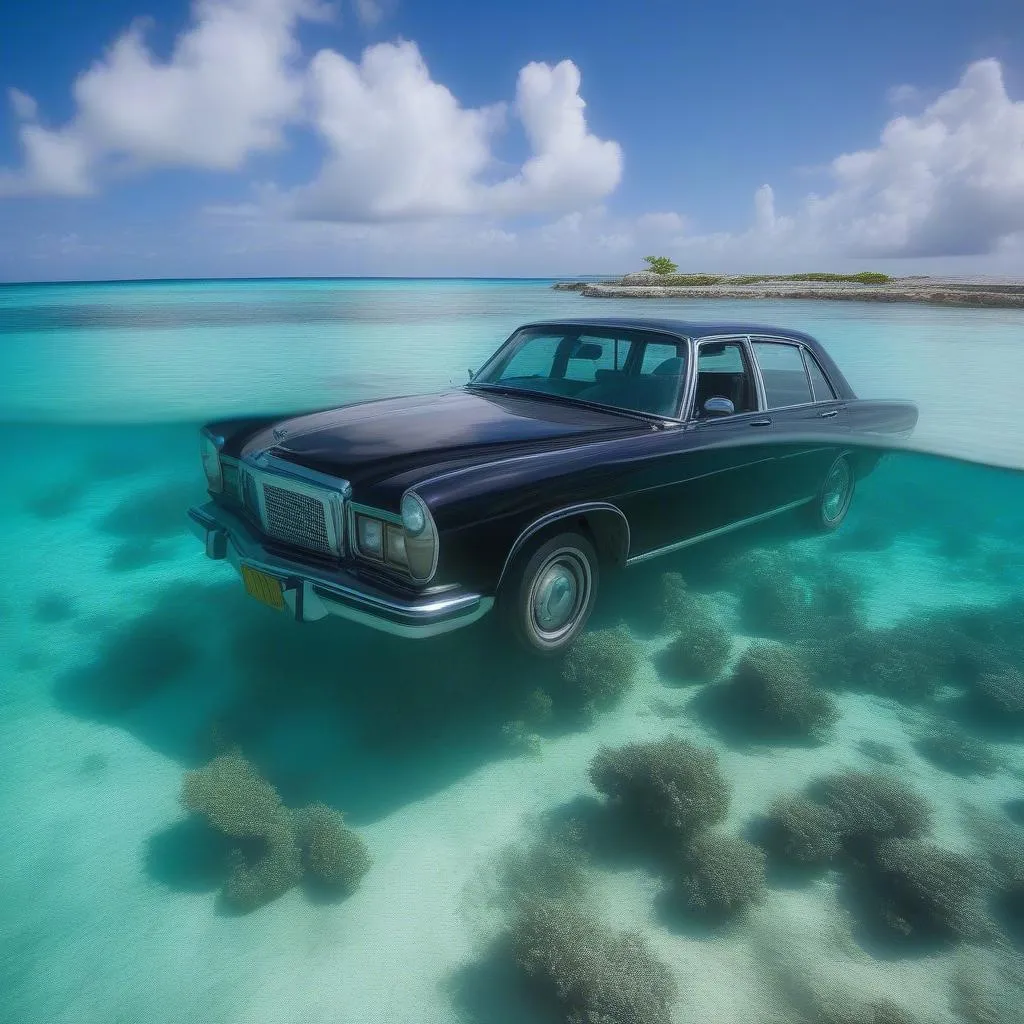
<point x="719" y="464"/>
<point x="809" y="421"/>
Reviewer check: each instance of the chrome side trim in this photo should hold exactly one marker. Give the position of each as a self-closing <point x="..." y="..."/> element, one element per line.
<point x="689" y="542"/>
<point x="552" y="517"/>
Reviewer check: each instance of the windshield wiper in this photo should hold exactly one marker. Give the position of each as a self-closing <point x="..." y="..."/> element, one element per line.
<point x="643" y="417"/>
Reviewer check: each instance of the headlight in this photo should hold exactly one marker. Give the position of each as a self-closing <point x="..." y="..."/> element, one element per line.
<point x="370" y="535"/>
<point x="421" y="540"/>
<point x="395" y="540"/>
<point x="414" y="515"/>
<point x="209" y="450"/>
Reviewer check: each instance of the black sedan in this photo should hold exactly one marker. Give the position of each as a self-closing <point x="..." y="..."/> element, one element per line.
<point x="579" y="446"/>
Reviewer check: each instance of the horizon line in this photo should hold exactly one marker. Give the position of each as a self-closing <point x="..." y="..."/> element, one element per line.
<point x="306" y="277"/>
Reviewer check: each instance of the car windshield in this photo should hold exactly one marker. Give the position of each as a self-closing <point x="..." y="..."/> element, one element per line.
<point x="635" y="371"/>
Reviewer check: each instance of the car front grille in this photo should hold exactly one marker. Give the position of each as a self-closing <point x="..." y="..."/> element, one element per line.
<point x="296" y="518"/>
<point x="297" y="514"/>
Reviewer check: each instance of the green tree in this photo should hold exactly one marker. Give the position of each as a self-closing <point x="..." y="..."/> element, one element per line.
<point x="660" y="264"/>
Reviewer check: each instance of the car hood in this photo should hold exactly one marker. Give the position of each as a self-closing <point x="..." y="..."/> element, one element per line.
<point x="372" y="442"/>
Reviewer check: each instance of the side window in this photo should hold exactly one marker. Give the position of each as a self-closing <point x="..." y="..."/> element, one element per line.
<point x="589" y="355"/>
<point x="782" y="369"/>
<point x="819" y="385"/>
<point x="655" y="353"/>
<point x="722" y="372"/>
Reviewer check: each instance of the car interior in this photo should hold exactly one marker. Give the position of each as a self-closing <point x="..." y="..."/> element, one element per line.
<point x="655" y="392"/>
<point x="722" y="373"/>
<point x="575" y="373"/>
<point x="785" y="387"/>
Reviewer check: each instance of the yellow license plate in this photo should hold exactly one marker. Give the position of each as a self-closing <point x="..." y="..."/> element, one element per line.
<point x="263" y="587"/>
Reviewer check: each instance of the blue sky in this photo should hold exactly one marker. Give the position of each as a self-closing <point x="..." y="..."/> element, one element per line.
<point x="249" y="137"/>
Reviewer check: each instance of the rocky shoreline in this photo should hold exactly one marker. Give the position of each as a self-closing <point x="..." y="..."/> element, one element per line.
<point x="930" y="290"/>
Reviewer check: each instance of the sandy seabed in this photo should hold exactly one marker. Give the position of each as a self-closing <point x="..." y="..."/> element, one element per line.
<point x="126" y="651"/>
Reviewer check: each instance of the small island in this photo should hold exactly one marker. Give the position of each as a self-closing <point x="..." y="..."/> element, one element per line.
<point x="867" y="286"/>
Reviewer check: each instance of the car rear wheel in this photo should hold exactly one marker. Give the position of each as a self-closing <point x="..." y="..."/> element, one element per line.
<point x="550" y="592"/>
<point x="829" y="508"/>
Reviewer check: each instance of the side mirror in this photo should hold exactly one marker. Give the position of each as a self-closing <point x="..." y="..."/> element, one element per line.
<point x="470" y="374"/>
<point x="718" y="406"/>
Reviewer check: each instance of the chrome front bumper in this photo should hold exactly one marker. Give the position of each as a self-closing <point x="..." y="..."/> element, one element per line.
<point x="312" y="593"/>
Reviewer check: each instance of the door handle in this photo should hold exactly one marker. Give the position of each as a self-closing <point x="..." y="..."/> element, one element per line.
<point x="760" y="423"/>
<point x="826" y="415"/>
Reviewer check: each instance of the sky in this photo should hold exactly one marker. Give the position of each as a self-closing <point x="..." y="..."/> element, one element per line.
<point x="242" y="138"/>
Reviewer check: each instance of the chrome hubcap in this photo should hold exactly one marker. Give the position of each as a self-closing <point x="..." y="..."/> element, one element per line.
<point x="836" y="491"/>
<point x="556" y="597"/>
<point x="559" y="594"/>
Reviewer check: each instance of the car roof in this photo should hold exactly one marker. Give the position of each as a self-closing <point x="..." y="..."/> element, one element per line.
<point x="681" y="328"/>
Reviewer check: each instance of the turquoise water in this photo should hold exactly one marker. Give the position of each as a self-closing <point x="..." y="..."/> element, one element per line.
<point x="467" y="774"/>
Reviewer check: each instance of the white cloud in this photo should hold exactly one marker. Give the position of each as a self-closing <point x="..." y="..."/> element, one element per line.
<point x="23" y="105"/>
<point x="569" y="166"/>
<point x="661" y="223"/>
<point x="764" y="209"/>
<point x="230" y="85"/>
<point x="948" y="182"/>
<point x="904" y="96"/>
<point x="370" y="12"/>
<point x="56" y="163"/>
<point x="402" y="147"/>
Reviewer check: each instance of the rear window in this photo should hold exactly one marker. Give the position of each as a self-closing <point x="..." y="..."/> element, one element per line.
<point x="819" y="385"/>
<point x="783" y="373"/>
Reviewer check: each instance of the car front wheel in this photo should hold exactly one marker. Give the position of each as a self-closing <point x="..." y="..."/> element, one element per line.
<point x="829" y="508"/>
<point x="550" y="592"/>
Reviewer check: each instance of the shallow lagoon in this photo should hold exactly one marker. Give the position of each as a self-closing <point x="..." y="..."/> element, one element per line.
<point x="131" y="660"/>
